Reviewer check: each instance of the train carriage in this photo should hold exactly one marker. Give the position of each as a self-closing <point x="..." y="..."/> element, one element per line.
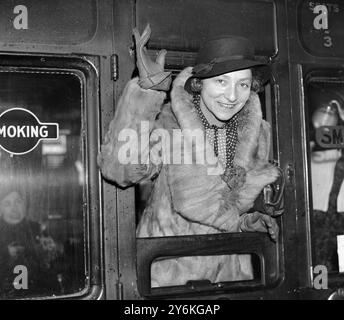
<point x="67" y="62"/>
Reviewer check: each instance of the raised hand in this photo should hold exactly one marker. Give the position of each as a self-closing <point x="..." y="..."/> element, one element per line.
<point x="152" y="74"/>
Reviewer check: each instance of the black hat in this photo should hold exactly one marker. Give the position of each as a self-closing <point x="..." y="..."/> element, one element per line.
<point x="226" y="54"/>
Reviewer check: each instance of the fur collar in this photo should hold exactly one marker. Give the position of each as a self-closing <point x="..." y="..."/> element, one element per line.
<point x="249" y="124"/>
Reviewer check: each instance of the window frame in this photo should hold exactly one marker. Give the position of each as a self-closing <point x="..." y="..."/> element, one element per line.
<point x="333" y="74"/>
<point x="85" y="68"/>
<point x="270" y="254"/>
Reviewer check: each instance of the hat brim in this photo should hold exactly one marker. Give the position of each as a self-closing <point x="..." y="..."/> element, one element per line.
<point x="230" y="66"/>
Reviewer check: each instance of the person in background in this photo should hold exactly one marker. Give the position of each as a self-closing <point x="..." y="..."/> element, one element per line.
<point x="22" y="243"/>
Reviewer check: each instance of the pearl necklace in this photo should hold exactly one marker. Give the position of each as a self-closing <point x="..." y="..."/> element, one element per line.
<point x="222" y="146"/>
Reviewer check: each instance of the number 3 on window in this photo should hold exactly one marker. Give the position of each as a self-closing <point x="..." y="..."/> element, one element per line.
<point x="327" y="41"/>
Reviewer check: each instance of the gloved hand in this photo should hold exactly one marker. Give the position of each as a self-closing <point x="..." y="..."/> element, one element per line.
<point x="259" y="222"/>
<point x="152" y="75"/>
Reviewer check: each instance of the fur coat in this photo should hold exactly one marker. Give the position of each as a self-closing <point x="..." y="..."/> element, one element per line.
<point x="192" y="198"/>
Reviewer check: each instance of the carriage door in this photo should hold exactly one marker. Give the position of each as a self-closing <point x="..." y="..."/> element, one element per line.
<point x="181" y="27"/>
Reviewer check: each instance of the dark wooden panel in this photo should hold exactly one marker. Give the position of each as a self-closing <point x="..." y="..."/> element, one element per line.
<point x="184" y="24"/>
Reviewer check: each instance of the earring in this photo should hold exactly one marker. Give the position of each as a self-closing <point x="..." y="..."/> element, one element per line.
<point x="196" y="85"/>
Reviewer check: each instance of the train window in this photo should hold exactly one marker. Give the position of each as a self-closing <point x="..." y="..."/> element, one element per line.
<point x="43" y="197"/>
<point x="325" y="119"/>
<point x="157" y="255"/>
<point x="258" y="260"/>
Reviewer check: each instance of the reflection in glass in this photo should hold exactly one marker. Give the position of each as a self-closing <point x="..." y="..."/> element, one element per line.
<point x="325" y="108"/>
<point x="42" y="192"/>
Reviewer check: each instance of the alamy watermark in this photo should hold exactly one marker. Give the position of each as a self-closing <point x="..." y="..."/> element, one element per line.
<point x="320" y="280"/>
<point x="175" y="146"/>
<point x="21" y="280"/>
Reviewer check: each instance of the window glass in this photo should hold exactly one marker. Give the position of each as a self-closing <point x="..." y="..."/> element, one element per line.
<point x="42" y="192"/>
<point x="324" y="105"/>
<point x="163" y="271"/>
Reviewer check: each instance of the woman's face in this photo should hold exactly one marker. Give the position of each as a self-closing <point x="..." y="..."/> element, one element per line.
<point x="225" y="95"/>
<point x="12" y="208"/>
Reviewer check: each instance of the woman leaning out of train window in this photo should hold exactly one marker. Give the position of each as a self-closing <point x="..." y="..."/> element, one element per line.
<point x="208" y="183"/>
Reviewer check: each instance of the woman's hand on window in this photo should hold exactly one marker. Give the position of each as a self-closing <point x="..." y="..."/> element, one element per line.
<point x="259" y="222"/>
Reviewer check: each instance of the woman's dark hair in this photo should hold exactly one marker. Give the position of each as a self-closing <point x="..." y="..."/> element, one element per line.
<point x="257" y="80"/>
<point x="196" y="85"/>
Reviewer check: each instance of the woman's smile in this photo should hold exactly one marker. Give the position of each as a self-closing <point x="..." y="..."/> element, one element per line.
<point x="226" y="105"/>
